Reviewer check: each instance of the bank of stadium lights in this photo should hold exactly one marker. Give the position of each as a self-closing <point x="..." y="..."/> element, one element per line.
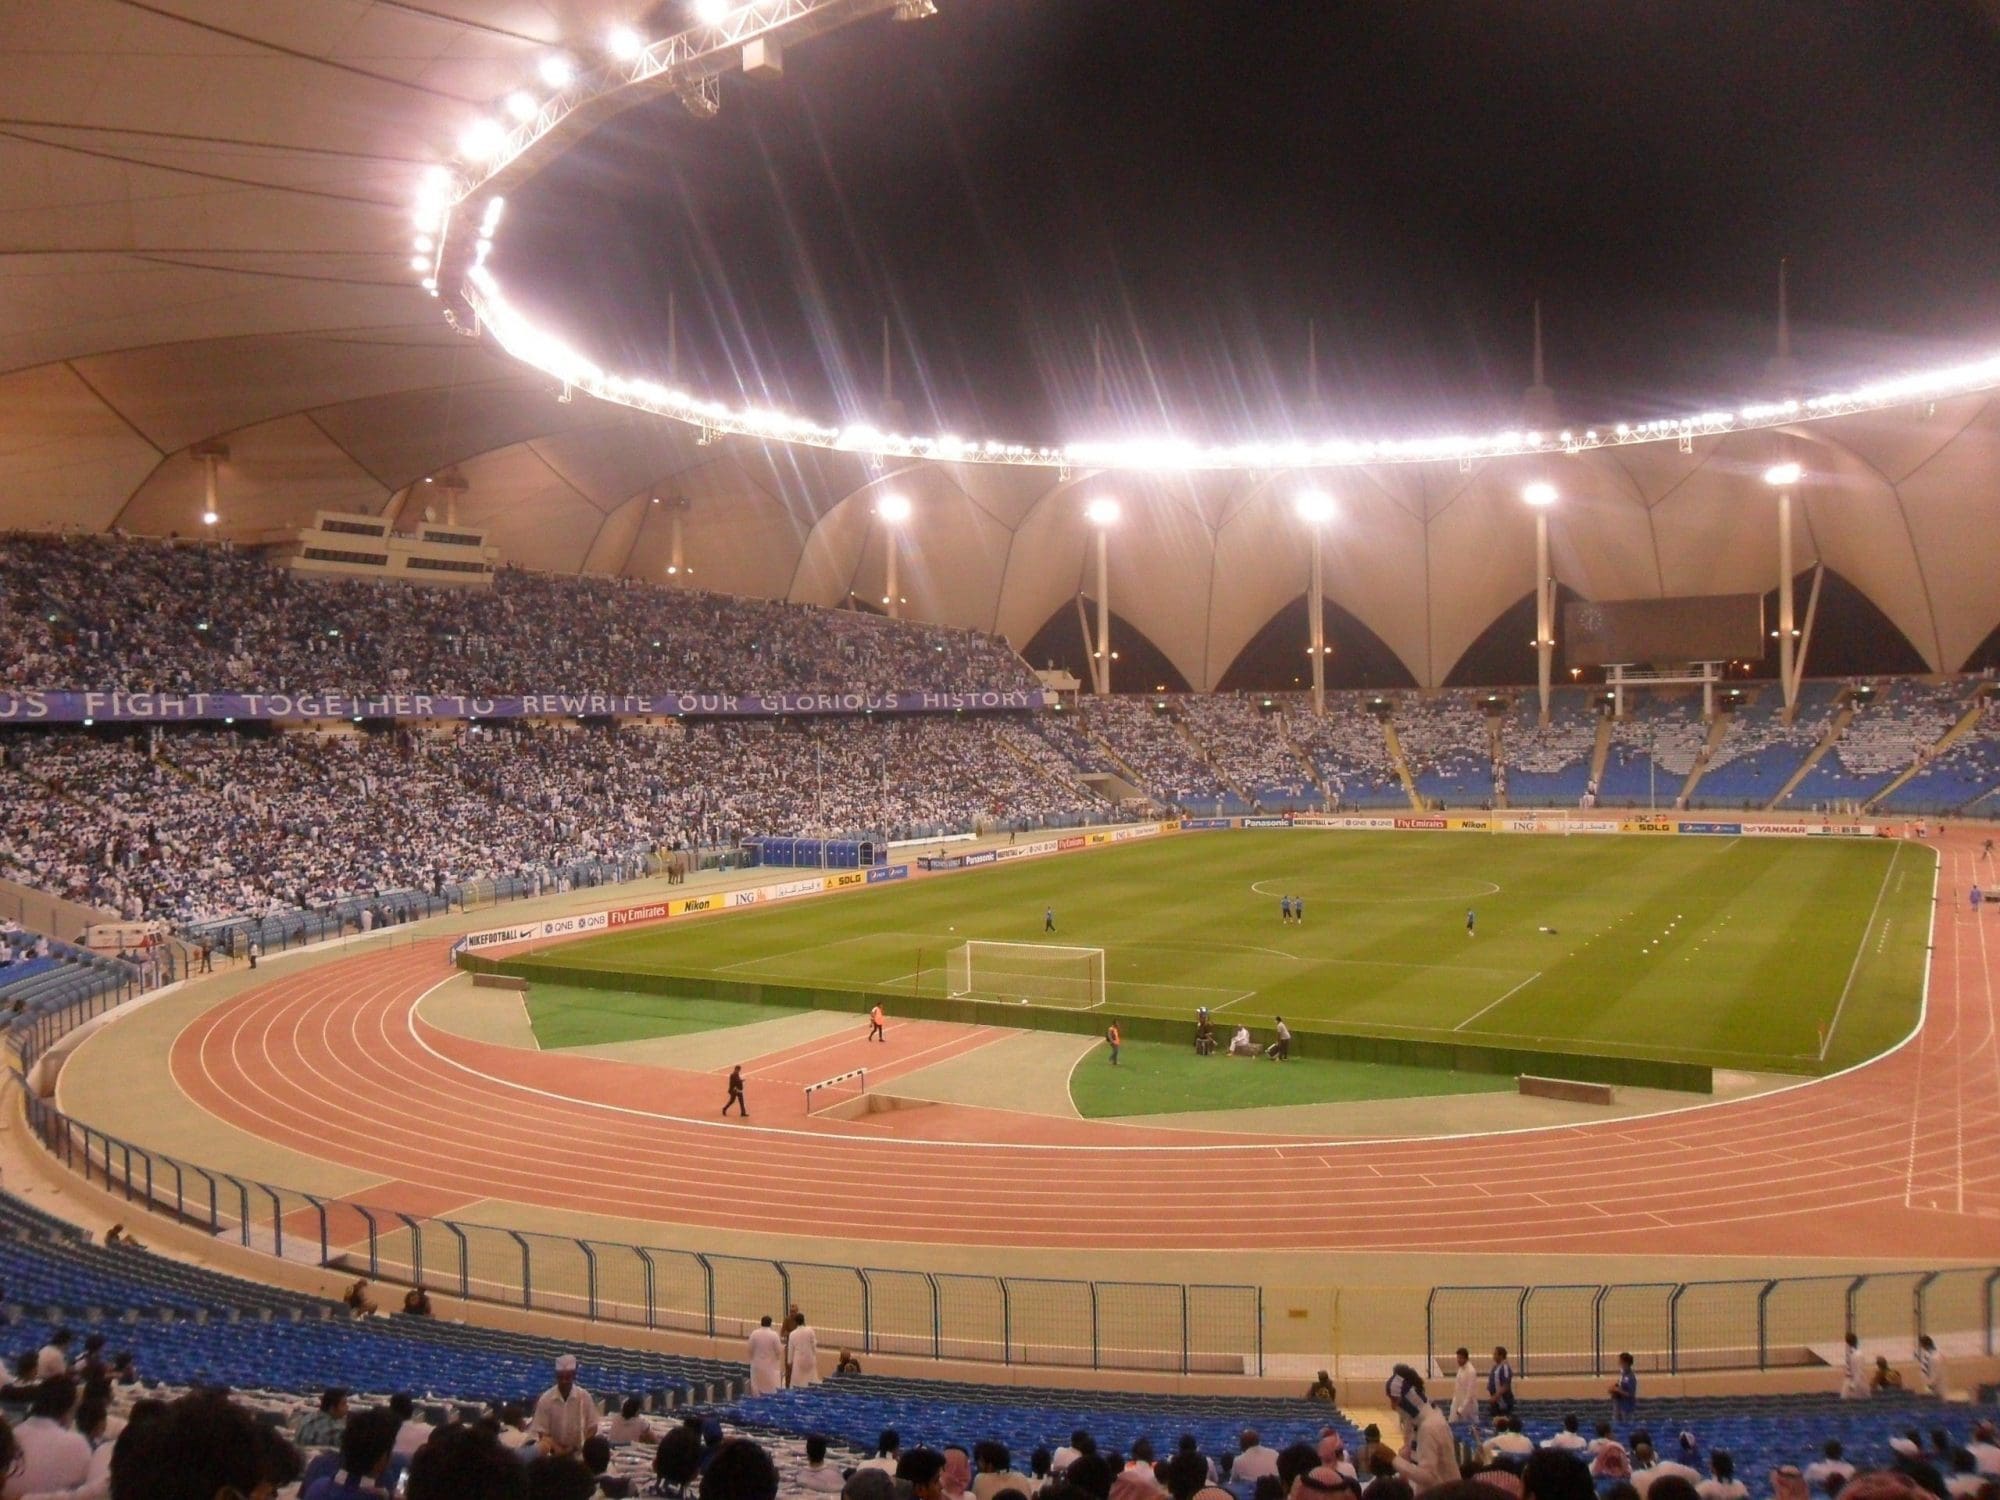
<point x="1315" y="507"/>
<point x="712" y="12"/>
<point x="623" y="43"/>
<point x="556" y="70"/>
<point x="1783" y="476"/>
<point x="1101" y="512"/>
<point x="1541" y="494"/>
<point x="522" y="105"/>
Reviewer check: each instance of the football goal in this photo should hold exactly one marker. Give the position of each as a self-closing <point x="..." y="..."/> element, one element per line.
<point x="1027" y="973"/>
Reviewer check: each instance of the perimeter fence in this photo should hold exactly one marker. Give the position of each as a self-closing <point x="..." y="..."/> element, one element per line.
<point x="1675" y="1327"/>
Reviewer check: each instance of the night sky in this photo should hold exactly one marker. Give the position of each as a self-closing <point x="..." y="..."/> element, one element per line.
<point x="1202" y="178"/>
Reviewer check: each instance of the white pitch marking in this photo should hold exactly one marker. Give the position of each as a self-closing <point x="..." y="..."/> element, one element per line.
<point x="1509" y="995"/>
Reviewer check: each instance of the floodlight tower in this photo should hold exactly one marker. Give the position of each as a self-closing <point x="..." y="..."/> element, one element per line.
<point x="1316" y="509"/>
<point x="892" y="511"/>
<point x="677" y="511"/>
<point x="212" y="455"/>
<point x="1103" y="514"/>
<point x="1539" y="497"/>
<point x="1784" y="479"/>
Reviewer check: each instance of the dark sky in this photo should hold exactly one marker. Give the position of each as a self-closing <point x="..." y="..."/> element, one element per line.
<point x="1202" y="176"/>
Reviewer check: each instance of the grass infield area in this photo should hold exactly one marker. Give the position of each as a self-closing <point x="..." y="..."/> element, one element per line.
<point x="565" y="1015"/>
<point x="1728" y="952"/>
<point x="1160" y="1078"/>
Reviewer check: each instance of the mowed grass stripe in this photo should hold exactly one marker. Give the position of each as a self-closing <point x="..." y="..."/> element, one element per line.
<point x="1730" y="952"/>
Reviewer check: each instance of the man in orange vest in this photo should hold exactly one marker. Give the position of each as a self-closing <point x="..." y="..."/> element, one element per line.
<point x="875" y="1032"/>
<point x="1111" y="1036"/>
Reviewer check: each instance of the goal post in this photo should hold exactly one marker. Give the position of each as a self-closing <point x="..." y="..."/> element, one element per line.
<point x="1027" y="973"/>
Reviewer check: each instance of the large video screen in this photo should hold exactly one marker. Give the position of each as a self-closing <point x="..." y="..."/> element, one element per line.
<point x="1642" y="632"/>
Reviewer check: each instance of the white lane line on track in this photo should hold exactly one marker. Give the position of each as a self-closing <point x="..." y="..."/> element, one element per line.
<point x="1860" y="948"/>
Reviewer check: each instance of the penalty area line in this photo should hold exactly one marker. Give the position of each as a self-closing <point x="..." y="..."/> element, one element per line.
<point x="1860" y="949"/>
<point x="1495" y="1004"/>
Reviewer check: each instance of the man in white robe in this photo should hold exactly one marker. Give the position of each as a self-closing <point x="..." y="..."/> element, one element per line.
<point x="802" y="1348"/>
<point x="767" y="1359"/>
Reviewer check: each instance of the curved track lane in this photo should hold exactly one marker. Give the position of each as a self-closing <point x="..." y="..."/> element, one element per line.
<point x="1898" y="1158"/>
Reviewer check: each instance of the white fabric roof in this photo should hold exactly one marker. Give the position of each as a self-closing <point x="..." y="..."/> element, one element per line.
<point x="205" y="226"/>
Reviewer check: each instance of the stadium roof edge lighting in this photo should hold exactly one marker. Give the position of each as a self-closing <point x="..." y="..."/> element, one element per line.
<point x="494" y="157"/>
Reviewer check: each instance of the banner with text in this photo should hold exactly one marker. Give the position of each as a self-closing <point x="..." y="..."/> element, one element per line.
<point x="333" y="703"/>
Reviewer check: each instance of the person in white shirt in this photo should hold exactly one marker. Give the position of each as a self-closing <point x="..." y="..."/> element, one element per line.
<point x="1080" y="1443"/>
<point x="1966" y="1481"/>
<point x="818" y="1476"/>
<point x="1465" y="1391"/>
<point x="1930" y="1366"/>
<point x="802" y="1349"/>
<point x="1985" y="1448"/>
<point x="995" y="1472"/>
<point x="1253" y="1459"/>
<point x="888" y="1452"/>
<point x="54" y="1455"/>
<point x="1832" y="1463"/>
<point x="1509" y="1440"/>
<point x="767" y="1359"/>
<point x="54" y="1358"/>
<point x="1646" y="1468"/>
<point x="565" y="1415"/>
<point x="1430" y="1454"/>
<point x="1569" y="1440"/>
<point x="1724" y="1485"/>
<point x="514" y="1431"/>
<point x="1853" y="1375"/>
<point x="628" y="1426"/>
<point x="413" y="1432"/>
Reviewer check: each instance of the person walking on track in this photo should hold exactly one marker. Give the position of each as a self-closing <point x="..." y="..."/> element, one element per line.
<point x="875" y="1031"/>
<point x="736" y="1092"/>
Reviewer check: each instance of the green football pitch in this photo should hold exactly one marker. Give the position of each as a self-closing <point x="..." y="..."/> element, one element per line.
<point x="1731" y="952"/>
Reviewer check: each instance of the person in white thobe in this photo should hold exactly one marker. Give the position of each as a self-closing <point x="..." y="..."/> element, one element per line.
<point x="1853" y="1375"/>
<point x="1465" y="1390"/>
<point x="566" y="1416"/>
<point x="802" y="1348"/>
<point x="1930" y="1364"/>
<point x="767" y="1359"/>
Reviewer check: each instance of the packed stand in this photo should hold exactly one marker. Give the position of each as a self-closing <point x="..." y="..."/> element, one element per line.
<point x="1548" y="765"/>
<point x="1145" y="738"/>
<point x="1893" y="728"/>
<point x="1759" y="752"/>
<point x="1964" y="772"/>
<point x="98" y="613"/>
<point x="1653" y="750"/>
<point x="194" y="826"/>
<point x="1247" y="744"/>
<point x="1446" y="746"/>
<point x="1348" y="749"/>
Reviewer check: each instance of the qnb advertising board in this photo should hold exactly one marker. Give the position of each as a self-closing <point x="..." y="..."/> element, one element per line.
<point x="1693" y="627"/>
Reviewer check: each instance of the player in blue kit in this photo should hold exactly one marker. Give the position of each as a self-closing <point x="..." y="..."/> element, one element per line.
<point x="1471" y="921"/>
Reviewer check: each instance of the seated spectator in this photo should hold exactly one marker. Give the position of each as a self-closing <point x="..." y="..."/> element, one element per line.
<point x="1608" y="1459"/>
<point x="1965" y="1481"/>
<point x="847" y="1364"/>
<point x="740" y="1470"/>
<point x="514" y="1434"/>
<point x="1092" y="1474"/>
<point x="1323" y="1482"/>
<point x="1649" y="1469"/>
<point x="416" y="1303"/>
<point x="1985" y="1447"/>
<point x="123" y="1372"/>
<point x="1080" y="1442"/>
<point x="412" y="1432"/>
<point x="628" y="1426"/>
<point x="357" y="1301"/>
<point x="996" y="1472"/>
<point x="89" y="1365"/>
<point x="1508" y="1441"/>
<point x="818" y="1476"/>
<point x="1322" y="1390"/>
<point x="1830" y="1463"/>
<point x="464" y="1462"/>
<point x="1885" y="1376"/>
<point x="1253" y="1459"/>
<point x="1569" y="1439"/>
<point x="1723" y="1485"/>
<point x="677" y="1461"/>
<point x="53" y="1454"/>
<point x="322" y="1428"/>
<point x="54" y="1356"/>
<point x="201" y="1447"/>
<point x="1556" y="1474"/>
<point x="367" y="1444"/>
<point x="869" y="1484"/>
<point x="559" y="1477"/>
<point x="957" y="1476"/>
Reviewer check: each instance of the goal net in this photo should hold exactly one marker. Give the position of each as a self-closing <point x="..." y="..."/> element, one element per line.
<point x="1030" y="973"/>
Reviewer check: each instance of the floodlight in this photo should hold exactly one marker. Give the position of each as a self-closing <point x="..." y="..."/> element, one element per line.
<point x="1101" y="512"/>
<point x="557" y="71"/>
<point x="522" y="106"/>
<point x="1783" y="476"/>
<point x="623" y="43"/>
<point x="894" y="509"/>
<point x="481" y="139"/>
<point x="710" y="12"/>
<point x="209" y="518"/>
<point x="1540" y="494"/>
<point x="1315" y="508"/>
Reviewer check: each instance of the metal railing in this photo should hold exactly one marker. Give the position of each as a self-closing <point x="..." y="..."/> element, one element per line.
<point x="1013" y="1320"/>
<point x="1678" y="1327"/>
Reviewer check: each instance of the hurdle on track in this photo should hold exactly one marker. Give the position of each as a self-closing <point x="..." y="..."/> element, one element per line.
<point x="846" y="1084"/>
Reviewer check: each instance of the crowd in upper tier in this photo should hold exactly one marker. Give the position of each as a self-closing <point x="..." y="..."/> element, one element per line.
<point x="97" y="613"/>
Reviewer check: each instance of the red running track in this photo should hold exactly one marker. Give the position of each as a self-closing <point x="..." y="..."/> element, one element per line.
<point x="1900" y="1157"/>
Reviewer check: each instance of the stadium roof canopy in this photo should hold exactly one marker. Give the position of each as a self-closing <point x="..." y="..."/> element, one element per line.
<point x="207" y="236"/>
